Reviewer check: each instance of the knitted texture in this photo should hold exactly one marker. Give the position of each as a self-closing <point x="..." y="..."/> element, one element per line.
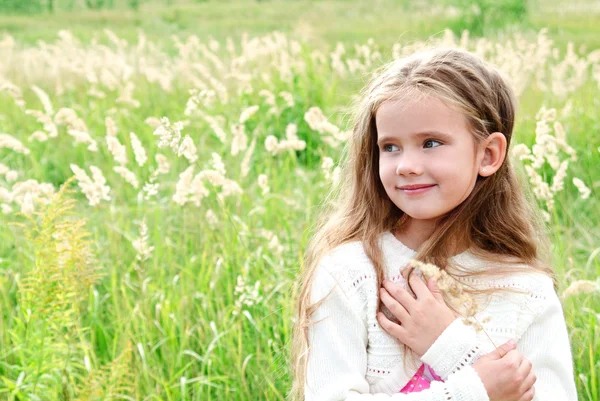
<point x="352" y="357"/>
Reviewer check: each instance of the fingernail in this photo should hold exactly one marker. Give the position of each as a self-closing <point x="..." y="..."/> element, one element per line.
<point x="512" y="342"/>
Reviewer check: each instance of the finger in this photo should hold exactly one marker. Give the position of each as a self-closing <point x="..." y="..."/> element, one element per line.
<point x="432" y="285"/>
<point x="394" y="306"/>
<point x="502" y="350"/>
<point x="419" y="287"/>
<point x="400" y="295"/>
<point x="525" y="367"/>
<point x="513" y="359"/>
<point x="392" y="328"/>
<point x="528" y="382"/>
<point x="528" y="396"/>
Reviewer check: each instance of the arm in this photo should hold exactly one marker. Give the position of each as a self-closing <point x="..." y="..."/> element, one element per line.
<point x="546" y="344"/>
<point x="337" y="361"/>
<point x="454" y="349"/>
<point x="543" y="340"/>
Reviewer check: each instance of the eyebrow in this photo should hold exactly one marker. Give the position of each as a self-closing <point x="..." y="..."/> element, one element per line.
<point x="417" y="135"/>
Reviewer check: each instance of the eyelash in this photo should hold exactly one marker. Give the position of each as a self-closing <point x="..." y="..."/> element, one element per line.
<point x="428" y="140"/>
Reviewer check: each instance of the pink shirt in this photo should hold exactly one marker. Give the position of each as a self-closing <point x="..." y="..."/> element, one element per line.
<point x="421" y="380"/>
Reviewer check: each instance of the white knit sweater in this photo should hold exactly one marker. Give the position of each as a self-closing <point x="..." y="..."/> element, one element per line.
<point x="353" y="358"/>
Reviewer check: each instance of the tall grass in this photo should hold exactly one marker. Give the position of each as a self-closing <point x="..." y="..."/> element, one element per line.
<point x="181" y="288"/>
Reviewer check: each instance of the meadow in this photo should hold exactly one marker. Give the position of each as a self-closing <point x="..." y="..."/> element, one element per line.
<point x="160" y="172"/>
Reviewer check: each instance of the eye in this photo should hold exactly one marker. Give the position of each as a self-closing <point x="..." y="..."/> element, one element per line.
<point x="385" y="147"/>
<point x="431" y="143"/>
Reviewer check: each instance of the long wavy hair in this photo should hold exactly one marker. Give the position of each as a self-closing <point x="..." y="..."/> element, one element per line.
<point x="497" y="221"/>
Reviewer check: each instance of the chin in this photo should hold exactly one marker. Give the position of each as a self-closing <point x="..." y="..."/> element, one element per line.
<point x="421" y="214"/>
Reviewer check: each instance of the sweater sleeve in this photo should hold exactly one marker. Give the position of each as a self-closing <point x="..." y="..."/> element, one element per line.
<point x="546" y="344"/>
<point x="337" y="359"/>
<point x="544" y="340"/>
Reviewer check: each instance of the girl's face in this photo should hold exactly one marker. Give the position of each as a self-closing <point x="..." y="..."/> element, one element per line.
<point x="428" y="158"/>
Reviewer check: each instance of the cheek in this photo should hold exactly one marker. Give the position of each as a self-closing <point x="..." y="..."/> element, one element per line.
<point x="385" y="171"/>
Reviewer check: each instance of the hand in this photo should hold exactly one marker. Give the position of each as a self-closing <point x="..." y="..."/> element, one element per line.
<point x="422" y="320"/>
<point x="506" y="374"/>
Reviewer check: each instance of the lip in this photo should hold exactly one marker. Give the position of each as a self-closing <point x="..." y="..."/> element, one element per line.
<point x="416" y="188"/>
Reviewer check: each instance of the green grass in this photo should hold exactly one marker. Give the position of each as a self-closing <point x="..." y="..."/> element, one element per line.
<point x="169" y="326"/>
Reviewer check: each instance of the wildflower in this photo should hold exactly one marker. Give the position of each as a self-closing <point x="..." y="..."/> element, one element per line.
<point x="314" y="117"/>
<point x="214" y="177"/>
<point x="84" y="137"/>
<point x="169" y="135"/>
<point x="204" y="98"/>
<point x="128" y="176"/>
<point x="211" y="218"/>
<point x="521" y="151"/>
<point x="274" y="146"/>
<point x="326" y="167"/>
<point x="163" y="164"/>
<point x="240" y="140"/>
<point x="126" y="96"/>
<point x="68" y="117"/>
<point x="262" y="183"/>
<point x="288" y="98"/>
<point x="274" y="243"/>
<point x="197" y="191"/>
<point x="11" y="175"/>
<point x="336" y="176"/>
<point x="95" y="92"/>
<point x="93" y="188"/>
<point x="216" y="127"/>
<point x="245" y="167"/>
<point x="580" y="287"/>
<point x="188" y="149"/>
<point x="46" y="121"/>
<point x="559" y="177"/>
<point x="153" y="122"/>
<point x="150" y="189"/>
<point x="218" y="164"/>
<point x="247" y="113"/>
<point x="140" y="244"/>
<point x="118" y="150"/>
<point x="27" y="194"/>
<point x="138" y="149"/>
<point x="583" y="190"/>
<point x="9" y="142"/>
<point x="271" y="143"/>
<point x="45" y="99"/>
<point x="40" y="136"/>
<point x="14" y="91"/>
<point x="182" y="187"/>
<point x="269" y="100"/>
<point x="247" y="295"/>
<point x="230" y="188"/>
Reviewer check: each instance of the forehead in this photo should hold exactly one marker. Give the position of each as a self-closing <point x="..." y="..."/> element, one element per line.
<point x="400" y="117"/>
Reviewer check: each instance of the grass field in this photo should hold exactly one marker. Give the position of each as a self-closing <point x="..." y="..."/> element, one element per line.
<point x="177" y="284"/>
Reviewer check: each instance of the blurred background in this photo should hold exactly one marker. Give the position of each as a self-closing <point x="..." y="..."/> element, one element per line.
<point x="204" y="138"/>
<point x="342" y="20"/>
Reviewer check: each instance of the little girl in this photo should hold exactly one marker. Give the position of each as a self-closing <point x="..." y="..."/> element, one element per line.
<point x="427" y="178"/>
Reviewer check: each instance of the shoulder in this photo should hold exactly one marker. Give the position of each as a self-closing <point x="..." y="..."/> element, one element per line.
<point x="346" y="267"/>
<point x="518" y="276"/>
<point x="528" y="295"/>
<point x="347" y="258"/>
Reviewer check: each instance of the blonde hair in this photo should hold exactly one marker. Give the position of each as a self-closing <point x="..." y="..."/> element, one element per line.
<point x="496" y="222"/>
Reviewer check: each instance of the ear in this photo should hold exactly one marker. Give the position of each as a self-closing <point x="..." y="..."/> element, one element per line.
<point x="493" y="151"/>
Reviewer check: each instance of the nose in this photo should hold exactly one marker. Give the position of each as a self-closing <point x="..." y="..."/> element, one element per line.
<point x="409" y="164"/>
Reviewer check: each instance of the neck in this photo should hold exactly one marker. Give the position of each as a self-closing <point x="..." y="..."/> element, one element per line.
<point x="413" y="233"/>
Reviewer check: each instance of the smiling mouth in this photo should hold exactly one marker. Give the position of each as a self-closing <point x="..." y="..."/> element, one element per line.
<point x="416" y="189"/>
<point x="416" y="186"/>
